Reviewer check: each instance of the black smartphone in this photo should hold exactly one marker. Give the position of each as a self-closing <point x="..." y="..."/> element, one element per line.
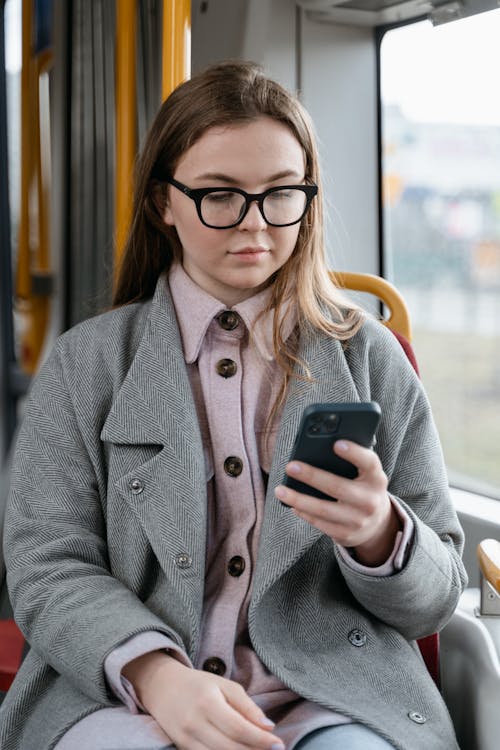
<point x="321" y="426"/>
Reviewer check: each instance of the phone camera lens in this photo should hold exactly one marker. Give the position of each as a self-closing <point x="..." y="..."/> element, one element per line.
<point x="315" y="429"/>
<point x="330" y="423"/>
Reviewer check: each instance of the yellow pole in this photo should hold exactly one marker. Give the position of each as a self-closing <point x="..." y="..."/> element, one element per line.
<point x="32" y="300"/>
<point x="23" y="279"/>
<point x="126" y="25"/>
<point x="176" y="57"/>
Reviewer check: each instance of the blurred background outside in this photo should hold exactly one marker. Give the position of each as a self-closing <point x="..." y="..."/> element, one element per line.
<point x="441" y="208"/>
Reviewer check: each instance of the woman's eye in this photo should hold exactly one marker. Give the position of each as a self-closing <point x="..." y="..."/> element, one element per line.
<point x="220" y="197"/>
<point x="281" y="195"/>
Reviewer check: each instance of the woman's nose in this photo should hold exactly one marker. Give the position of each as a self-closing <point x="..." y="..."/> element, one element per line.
<point x="253" y="221"/>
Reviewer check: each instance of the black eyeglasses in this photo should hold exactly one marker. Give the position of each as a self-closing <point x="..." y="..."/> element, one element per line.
<point x="223" y="208"/>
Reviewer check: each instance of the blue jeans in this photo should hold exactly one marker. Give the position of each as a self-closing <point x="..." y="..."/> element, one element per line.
<point x="343" y="737"/>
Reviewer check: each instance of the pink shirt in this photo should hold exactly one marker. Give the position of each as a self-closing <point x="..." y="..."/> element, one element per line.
<point x="235" y="380"/>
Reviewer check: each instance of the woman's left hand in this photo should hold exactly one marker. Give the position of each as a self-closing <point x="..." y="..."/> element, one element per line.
<point x="363" y="516"/>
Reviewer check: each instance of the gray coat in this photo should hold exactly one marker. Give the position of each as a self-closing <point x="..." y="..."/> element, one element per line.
<point x="92" y="553"/>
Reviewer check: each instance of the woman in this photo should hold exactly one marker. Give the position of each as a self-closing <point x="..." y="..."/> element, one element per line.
<point x="172" y="589"/>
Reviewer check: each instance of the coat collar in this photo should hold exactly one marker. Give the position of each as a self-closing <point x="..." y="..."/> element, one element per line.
<point x="196" y="309"/>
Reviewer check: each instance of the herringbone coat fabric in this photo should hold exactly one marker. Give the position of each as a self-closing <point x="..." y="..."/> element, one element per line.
<point x="109" y="488"/>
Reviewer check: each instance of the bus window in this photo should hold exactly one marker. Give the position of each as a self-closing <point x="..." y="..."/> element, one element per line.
<point x="441" y="220"/>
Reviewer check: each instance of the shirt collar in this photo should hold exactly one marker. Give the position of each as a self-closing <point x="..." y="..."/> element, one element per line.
<point x="195" y="310"/>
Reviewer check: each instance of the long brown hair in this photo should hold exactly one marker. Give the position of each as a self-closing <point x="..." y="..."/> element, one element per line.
<point x="232" y="93"/>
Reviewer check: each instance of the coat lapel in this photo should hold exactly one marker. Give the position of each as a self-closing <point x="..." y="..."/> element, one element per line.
<point x="284" y="537"/>
<point x="154" y="428"/>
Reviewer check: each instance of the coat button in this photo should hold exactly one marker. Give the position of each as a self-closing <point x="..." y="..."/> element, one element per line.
<point x="226" y="367"/>
<point x="183" y="560"/>
<point x="136" y="486"/>
<point x="416" y="717"/>
<point x="236" y="566"/>
<point x="233" y="466"/>
<point x="214" y="665"/>
<point x="357" y="637"/>
<point x="228" y="320"/>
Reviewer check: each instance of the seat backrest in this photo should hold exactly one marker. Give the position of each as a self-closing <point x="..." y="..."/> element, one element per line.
<point x="399" y="323"/>
<point x="399" y="316"/>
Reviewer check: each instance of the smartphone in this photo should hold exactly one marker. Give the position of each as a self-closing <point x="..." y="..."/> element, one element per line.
<point x="320" y="427"/>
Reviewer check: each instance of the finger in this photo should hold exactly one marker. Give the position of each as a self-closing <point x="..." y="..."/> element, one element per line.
<point x="346" y="533"/>
<point x="211" y="736"/>
<point x="243" y="738"/>
<point x="332" y="485"/>
<point x="218" y="726"/>
<point x="238" y="699"/>
<point x="364" y="459"/>
<point x="245" y="721"/>
<point x="307" y="504"/>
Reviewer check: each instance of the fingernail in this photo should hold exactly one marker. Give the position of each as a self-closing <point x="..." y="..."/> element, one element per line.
<point x="280" y="492"/>
<point x="342" y="445"/>
<point x="267" y="722"/>
<point x="293" y="468"/>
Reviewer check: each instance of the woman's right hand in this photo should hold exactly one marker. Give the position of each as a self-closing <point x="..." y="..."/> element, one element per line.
<point x="199" y="710"/>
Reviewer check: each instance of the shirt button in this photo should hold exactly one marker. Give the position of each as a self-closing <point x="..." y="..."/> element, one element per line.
<point x="236" y="566"/>
<point x="226" y="367"/>
<point x="228" y="320"/>
<point x="183" y="560"/>
<point x="136" y="486"/>
<point x="233" y="466"/>
<point x="214" y="665"/>
<point x="416" y="717"/>
<point x="357" y="637"/>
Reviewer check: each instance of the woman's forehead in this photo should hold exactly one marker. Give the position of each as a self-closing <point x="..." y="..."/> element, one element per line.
<point x="261" y="146"/>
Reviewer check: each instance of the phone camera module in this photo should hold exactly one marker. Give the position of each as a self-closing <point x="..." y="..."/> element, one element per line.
<point x="323" y="424"/>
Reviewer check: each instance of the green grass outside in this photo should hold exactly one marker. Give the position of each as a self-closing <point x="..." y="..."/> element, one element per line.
<point x="461" y="375"/>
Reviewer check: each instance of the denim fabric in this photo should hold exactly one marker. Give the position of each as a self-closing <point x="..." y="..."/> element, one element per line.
<point x="344" y="737"/>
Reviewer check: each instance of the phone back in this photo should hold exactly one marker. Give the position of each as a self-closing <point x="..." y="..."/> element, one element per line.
<point x="321" y="426"/>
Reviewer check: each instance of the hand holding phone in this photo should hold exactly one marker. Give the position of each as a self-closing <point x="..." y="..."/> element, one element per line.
<point x="321" y="426"/>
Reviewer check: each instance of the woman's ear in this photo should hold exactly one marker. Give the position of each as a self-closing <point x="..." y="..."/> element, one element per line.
<point x="167" y="214"/>
<point x="160" y="198"/>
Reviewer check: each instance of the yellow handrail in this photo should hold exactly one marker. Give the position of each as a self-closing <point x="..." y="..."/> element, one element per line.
<point x="126" y="136"/>
<point x="399" y="316"/>
<point x="23" y="277"/>
<point x="176" y="52"/>
<point x="488" y="553"/>
<point x="33" y="254"/>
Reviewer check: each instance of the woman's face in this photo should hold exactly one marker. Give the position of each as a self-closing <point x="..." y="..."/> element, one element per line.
<point x="233" y="264"/>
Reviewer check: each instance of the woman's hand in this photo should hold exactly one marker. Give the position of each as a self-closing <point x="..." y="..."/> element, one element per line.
<point x="363" y="517"/>
<point x="199" y="710"/>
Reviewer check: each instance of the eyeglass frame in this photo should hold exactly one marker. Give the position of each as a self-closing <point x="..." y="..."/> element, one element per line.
<point x="197" y="195"/>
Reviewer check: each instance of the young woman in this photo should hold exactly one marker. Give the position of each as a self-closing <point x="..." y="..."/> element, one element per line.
<point x="172" y="590"/>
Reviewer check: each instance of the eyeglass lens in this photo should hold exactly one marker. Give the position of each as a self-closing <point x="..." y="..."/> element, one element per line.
<point x="279" y="207"/>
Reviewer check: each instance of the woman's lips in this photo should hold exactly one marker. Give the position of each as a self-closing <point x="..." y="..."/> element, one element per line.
<point x="250" y="251"/>
<point x="250" y="255"/>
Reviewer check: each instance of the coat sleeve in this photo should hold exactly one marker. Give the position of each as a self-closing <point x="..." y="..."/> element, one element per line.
<point x="72" y="611"/>
<point x="421" y="597"/>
